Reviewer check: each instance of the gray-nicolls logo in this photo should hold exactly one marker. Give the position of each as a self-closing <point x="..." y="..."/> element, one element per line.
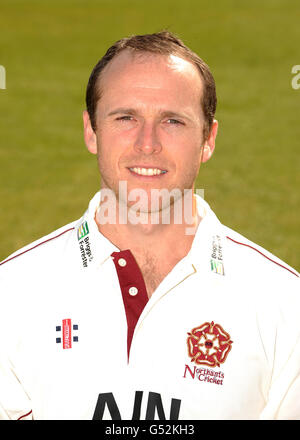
<point x="2" y="77"/>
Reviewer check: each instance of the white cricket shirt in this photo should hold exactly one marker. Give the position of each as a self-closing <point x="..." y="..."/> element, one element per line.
<point x="79" y="339"/>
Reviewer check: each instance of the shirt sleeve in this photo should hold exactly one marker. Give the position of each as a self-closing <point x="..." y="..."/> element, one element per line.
<point x="284" y="392"/>
<point x="14" y="402"/>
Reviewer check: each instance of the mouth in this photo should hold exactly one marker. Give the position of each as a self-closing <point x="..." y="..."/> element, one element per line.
<point x="143" y="171"/>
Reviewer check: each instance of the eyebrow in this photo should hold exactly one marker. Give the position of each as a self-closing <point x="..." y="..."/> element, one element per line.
<point x="130" y="111"/>
<point x="163" y="113"/>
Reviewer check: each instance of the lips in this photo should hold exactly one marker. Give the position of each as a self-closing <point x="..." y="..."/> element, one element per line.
<point x="149" y="171"/>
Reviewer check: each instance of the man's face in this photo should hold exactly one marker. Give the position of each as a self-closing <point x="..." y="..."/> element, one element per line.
<point x="149" y="123"/>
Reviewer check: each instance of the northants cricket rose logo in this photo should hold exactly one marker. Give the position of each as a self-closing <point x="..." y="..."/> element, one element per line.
<point x="209" y="344"/>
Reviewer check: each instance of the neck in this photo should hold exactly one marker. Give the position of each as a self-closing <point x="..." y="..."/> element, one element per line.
<point x="129" y="229"/>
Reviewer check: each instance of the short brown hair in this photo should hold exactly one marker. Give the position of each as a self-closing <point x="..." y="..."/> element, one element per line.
<point x="161" y="43"/>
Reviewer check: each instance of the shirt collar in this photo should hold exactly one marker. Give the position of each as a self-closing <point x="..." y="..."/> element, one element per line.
<point x="206" y="253"/>
<point x="87" y="232"/>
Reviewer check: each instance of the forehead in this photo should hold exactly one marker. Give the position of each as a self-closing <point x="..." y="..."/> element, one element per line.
<point x="143" y="70"/>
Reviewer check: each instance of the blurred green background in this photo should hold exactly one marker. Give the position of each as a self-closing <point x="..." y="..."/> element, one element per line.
<point x="49" y="48"/>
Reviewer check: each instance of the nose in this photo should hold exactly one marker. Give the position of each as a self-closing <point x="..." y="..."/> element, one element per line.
<point x="147" y="140"/>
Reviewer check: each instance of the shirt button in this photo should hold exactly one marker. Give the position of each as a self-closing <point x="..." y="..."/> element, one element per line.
<point x="133" y="291"/>
<point x="122" y="262"/>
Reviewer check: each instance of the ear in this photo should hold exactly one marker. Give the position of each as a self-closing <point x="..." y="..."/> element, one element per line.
<point x="89" y="134"/>
<point x="209" y="145"/>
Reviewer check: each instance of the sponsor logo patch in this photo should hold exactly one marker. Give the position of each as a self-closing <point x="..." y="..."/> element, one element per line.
<point x="66" y="333"/>
<point x="217" y="267"/>
<point x="83" y="230"/>
<point x="84" y="244"/>
<point x="216" y="262"/>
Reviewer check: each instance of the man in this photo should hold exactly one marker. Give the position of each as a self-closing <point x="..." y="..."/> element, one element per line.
<point x="148" y="307"/>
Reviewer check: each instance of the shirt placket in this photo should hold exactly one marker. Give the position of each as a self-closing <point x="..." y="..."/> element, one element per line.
<point x="133" y="288"/>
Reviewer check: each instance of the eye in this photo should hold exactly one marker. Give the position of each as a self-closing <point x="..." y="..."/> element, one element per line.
<point x="174" y="122"/>
<point x="125" y="118"/>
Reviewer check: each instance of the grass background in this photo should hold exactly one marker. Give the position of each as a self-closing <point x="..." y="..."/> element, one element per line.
<point x="49" y="48"/>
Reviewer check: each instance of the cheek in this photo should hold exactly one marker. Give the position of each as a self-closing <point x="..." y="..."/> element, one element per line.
<point x="188" y="155"/>
<point x="105" y="158"/>
<point x="105" y="146"/>
<point x="113" y="143"/>
<point x="188" y="165"/>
